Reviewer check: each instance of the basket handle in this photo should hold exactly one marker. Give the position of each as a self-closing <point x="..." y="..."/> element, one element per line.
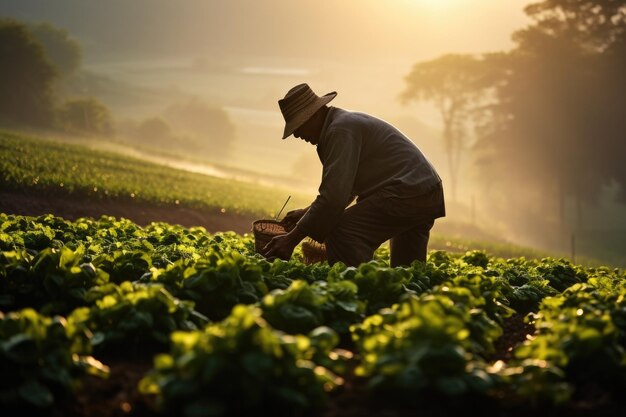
<point x="281" y="210"/>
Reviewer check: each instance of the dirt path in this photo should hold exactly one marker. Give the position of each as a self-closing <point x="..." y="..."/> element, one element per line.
<point x="73" y="207"/>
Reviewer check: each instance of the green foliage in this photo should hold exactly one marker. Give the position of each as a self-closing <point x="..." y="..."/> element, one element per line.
<point x="238" y="367"/>
<point x="45" y="166"/>
<point x="85" y="116"/>
<point x="419" y="346"/>
<point x="411" y="333"/>
<point x="26" y="77"/>
<point x="476" y="258"/>
<point x="582" y="331"/>
<point x="221" y="280"/>
<point x="533" y="382"/>
<point x="481" y="296"/>
<point x="53" y="280"/>
<point x="42" y="359"/>
<point x="379" y="286"/>
<point x="294" y="310"/>
<point x="560" y="273"/>
<point x="135" y="317"/>
<point x="532" y="280"/>
<point x="303" y="307"/>
<point x="62" y="51"/>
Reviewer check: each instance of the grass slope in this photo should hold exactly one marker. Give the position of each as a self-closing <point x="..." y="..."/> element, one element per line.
<point x="46" y="166"/>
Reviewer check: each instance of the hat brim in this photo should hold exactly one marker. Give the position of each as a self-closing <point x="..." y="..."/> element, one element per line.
<point x="307" y="113"/>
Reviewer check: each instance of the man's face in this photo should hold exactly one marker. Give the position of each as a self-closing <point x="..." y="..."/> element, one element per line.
<point x="308" y="132"/>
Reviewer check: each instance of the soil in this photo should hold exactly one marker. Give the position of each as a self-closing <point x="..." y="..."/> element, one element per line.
<point x="118" y="395"/>
<point x="72" y="207"/>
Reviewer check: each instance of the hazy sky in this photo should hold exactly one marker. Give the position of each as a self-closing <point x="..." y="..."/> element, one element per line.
<point x="325" y="29"/>
<point x="245" y="54"/>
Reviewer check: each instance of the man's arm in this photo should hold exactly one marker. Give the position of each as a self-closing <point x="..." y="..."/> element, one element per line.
<point x="340" y="164"/>
<point x="335" y="194"/>
<point x="293" y="217"/>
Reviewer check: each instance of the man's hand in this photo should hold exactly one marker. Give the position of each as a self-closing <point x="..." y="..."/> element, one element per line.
<point x="282" y="246"/>
<point x="292" y="217"/>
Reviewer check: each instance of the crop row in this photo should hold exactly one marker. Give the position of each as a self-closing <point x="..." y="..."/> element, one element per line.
<point x="27" y="163"/>
<point x="231" y="332"/>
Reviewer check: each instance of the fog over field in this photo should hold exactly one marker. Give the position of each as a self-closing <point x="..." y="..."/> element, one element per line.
<point x="244" y="55"/>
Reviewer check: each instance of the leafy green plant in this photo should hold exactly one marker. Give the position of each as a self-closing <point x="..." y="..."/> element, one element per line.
<point x="379" y="286"/>
<point x="127" y="290"/>
<point x="561" y="273"/>
<point x="533" y="382"/>
<point x="419" y="346"/>
<point x="54" y="280"/>
<point x="303" y="307"/>
<point x="582" y="332"/>
<point x="476" y="258"/>
<point x="221" y="280"/>
<point x="42" y="359"/>
<point x="238" y="367"/>
<point x="131" y="317"/>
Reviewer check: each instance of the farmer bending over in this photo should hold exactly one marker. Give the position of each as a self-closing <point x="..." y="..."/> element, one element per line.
<point x="398" y="192"/>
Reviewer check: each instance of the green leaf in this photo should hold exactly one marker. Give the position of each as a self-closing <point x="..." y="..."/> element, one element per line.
<point x="36" y="394"/>
<point x="204" y="408"/>
<point x="452" y="386"/>
<point x="21" y="348"/>
<point x="351" y="306"/>
<point x="257" y="363"/>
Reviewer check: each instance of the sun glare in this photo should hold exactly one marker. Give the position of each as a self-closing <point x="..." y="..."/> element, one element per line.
<point x="435" y="5"/>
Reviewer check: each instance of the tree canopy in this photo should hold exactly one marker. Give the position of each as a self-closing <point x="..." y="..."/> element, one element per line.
<point x="62" y="51"/>
<point x="26" y="77"/>
<point x="552" y="124"/>
<point x="561" y="109"/>
<point x="457" y="85"/>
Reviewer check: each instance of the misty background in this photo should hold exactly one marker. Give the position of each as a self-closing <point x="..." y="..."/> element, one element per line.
<point x="199" y="81"/>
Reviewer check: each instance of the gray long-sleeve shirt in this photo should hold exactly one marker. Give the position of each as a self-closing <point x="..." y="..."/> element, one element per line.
<point x="361" y="155"/>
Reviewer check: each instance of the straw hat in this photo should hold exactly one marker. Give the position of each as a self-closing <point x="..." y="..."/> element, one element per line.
<point x="299" y="104"/>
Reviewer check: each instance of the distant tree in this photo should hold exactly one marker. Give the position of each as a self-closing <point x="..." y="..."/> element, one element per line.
<point x="85" y="115"/>
<point x="591" y="24"/>
<point x="555" y="129"/>
<point x="210" y="126"/>
<point x="458" y="85"/>
<point x="26" y="77"/>
<point x="598" y="29"/>
<point x="154" y="132"/>
<point x="613" y="123"/>
<point x="63" y="51"/>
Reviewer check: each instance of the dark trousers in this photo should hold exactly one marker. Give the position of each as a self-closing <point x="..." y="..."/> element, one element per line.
<point x="404" y="221"/>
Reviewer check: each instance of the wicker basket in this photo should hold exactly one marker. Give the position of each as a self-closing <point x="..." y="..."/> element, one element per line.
<point x="264" y="231"/>
<point x="313" y="251"/>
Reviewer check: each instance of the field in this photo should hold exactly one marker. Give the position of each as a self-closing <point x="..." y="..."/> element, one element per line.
<point x="52" y="168"/>
<point x="106" y="316"/>
<point x="72" y="181"/>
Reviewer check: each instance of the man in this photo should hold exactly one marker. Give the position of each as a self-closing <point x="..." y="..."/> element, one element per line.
<point x="399" y="193"/>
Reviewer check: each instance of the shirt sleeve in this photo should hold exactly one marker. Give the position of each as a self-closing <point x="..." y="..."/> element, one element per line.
<point x="340" y="163"/>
